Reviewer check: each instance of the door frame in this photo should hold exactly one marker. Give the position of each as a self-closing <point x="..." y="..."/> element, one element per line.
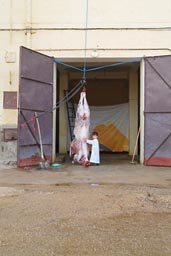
<point x="142" y="102"/>
<point x="54" y="112"/>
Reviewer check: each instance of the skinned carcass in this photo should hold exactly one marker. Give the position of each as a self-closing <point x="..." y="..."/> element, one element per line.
<point x="79" y="149"/>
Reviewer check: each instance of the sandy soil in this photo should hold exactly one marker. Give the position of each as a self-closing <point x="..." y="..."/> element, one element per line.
<point x="85" y="219"/>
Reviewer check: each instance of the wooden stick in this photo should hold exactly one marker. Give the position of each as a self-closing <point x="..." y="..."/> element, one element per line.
<point x="135" y="147"/>
<point x="40" y="137"/>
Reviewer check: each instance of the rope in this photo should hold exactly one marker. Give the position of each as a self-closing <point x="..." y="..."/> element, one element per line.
<point x="85" y="43"/>
<point x="67" y="65"/>
<point x="114" y="64"/>
<point x="100" y="67"/>
<point x="67" y="97"/>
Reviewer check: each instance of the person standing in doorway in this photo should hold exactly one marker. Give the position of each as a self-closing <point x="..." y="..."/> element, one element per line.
<point x="95" y="154"/>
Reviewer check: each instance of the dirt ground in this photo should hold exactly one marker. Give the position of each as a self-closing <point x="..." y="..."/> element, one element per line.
<point x="85" y="216"/>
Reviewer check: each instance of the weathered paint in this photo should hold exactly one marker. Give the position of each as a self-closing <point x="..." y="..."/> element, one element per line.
<point x="33" y="161"/>
<point x="158" y="161"/>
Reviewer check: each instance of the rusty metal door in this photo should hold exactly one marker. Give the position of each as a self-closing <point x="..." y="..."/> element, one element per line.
<point x="35" y="95"/>
<point x="158" y="111"/>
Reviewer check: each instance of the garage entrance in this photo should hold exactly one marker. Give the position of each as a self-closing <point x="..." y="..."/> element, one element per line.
<point x="113" y="97"/>
<point x="42" y="85"/>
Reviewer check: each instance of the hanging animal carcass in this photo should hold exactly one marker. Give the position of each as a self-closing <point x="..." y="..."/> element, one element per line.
<point x="79" y="149"/>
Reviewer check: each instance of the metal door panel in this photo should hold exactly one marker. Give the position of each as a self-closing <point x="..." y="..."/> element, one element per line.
<point x="37" y="89"/>
<point x="35" y="95"/>
<point x="33" y="65"/>
<point x="157" y="111"/>
<point x="28" y="133"/>
<point x="157" y="84"/>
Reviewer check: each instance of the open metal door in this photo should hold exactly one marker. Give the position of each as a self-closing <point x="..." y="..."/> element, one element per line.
<point x="158" y="111"/>
<point x="35" y="95"/>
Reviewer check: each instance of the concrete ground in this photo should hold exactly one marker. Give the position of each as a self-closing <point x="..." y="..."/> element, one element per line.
<point x="112" y="209"/>
<point x="119" y="171"/>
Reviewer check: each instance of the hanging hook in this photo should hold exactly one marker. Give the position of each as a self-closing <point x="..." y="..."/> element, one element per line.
<point x="84" y="82"/>
<point x="84" y="89"/>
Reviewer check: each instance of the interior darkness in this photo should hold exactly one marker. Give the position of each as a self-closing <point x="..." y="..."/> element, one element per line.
<point x="104" y="92"/>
